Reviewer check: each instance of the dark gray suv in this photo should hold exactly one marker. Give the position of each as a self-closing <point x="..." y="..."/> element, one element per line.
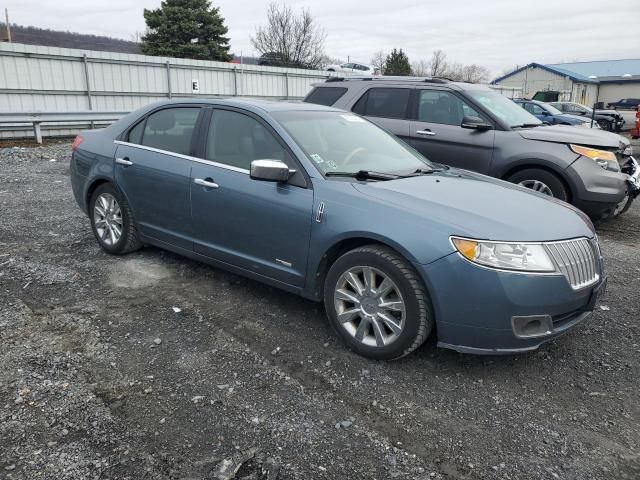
<point x="476" y="128"/>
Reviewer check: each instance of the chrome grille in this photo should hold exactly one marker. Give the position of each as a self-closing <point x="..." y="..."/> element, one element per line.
<point x="578" y="260"/>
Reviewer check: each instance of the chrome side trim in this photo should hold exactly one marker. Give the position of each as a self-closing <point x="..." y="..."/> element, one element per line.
<point x="185" y="157"/>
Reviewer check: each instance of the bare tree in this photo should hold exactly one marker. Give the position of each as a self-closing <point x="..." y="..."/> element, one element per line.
<point x="475" y="74"/>
<point x="377" y="61"/>
<point x="421" y="68"/>
<point x="454" y="71"/>
<point x="438" y="64"/>
<point x="294" y="40"/>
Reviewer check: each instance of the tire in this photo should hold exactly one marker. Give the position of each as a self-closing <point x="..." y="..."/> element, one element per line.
<point x="412" y="325"/>
<point x="606" y="125"/>
<point x="128" y="240"/>
<point x="554" y="186"/>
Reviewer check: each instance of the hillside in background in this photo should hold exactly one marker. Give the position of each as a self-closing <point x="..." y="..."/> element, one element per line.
<point x="55" y="38"/>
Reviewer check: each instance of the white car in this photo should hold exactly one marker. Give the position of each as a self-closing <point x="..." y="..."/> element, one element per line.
<point x="353" y="68"/>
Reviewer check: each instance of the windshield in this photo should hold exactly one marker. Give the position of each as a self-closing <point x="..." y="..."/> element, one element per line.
<point x="343" y="142"/>
<point x="503" y="108"/>
<point x="551" y="109"/>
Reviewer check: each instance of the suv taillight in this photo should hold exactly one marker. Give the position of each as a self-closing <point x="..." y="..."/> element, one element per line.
<point x="76" y="143"/>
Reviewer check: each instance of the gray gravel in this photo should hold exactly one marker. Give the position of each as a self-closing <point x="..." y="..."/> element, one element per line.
<point x="152" y="366"/>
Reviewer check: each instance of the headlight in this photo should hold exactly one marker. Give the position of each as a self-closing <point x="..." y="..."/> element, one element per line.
<point x="628" y="151"/>
<point x="604" y="158"/>
<point x="524" y="257"/>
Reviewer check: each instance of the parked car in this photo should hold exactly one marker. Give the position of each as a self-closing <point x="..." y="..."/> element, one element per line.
<point x="350" y="67"/>
<point x="551" y="115"/>
<point x="323" y="203"/>
<point x="625" y="103"/>
<point x="607" y="119"/>
<point x="275" y="59"/>
<point x="473" y="127"/>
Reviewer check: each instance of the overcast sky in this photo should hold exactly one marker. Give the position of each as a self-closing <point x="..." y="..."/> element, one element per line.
<point x="495" y="33"/>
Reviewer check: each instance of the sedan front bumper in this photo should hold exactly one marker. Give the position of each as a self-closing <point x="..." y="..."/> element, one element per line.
<point x="480" y="310"/>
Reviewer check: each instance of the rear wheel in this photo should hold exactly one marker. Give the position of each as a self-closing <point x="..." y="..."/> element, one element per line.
<point x="377" y="304"/>
<point x="541" y="181"/>
<point x="112" y="221"/>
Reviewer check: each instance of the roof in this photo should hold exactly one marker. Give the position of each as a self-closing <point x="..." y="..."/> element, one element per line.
<point x="246" y="102"/>
<point x="601" y="71"/>
<point x="402" y="80"/>
<point x="602" y="68"/>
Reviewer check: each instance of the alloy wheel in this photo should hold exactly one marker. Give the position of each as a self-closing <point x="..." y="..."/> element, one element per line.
<point x="538" y="186"/>
<point x="369" y="306"/>
<point x="107" y="218"/>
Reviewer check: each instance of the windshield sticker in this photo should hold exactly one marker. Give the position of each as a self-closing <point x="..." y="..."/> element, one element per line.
<point x="316" y="158"/>
<point x="352" y="118"/>
<point x="332" y="164"/>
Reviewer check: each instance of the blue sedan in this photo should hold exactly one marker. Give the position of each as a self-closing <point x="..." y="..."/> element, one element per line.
<point x="324" y="204"/>
<point x="550" y="114"/>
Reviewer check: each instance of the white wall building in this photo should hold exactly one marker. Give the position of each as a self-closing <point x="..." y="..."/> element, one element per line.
<point x="583" y="82"/>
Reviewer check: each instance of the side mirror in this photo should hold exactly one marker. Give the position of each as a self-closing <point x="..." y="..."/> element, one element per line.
<point x="475" y="123"/>
<point x="270" y="170"/>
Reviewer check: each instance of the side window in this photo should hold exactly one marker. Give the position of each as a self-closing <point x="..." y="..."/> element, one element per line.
<point x="135" y="134"/>
<point x="171" y="129"/>
<point x="236" y="140"/>
<point x="325" y="95"/>
<point x="439" y="106"/>
<point x="383" y="102"/>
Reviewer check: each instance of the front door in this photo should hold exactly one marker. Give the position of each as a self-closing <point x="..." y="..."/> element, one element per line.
<point x="437" y="134"/>
<point x="155" y="178"/>
<point x="262" y="227"/>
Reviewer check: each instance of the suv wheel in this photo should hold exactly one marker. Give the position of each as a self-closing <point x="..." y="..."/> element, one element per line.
<point x="112" y="221"/>
<point x="541" y="181"/>
<point x="377" y="304"/>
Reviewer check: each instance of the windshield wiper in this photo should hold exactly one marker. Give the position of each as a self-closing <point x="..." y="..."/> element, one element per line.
<point x="365" y="175"/>
<point x="526" y="125"/>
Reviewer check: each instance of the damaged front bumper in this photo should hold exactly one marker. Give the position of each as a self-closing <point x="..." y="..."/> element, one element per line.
<point x="632" y="169"/>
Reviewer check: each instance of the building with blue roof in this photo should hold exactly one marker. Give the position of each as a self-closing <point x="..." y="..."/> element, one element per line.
<point x="602" y="81"/>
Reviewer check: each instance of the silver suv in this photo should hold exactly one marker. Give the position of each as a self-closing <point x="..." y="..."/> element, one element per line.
<point x="476" y="128"/>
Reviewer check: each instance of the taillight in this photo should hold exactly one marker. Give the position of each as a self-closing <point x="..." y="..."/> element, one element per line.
<point x="76" y="143"/>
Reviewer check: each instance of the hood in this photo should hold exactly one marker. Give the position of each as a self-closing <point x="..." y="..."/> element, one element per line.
<point x="607" y="112"/>
<point x="576" y="119"/>
<point x="581" y="136"/>
<point x="473" y="205"/>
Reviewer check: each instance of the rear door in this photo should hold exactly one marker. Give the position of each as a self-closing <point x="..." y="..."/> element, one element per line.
<point x="437" y="134"/>
<point x="387" y="108"/>
<point x="261" y="227"/>
<point x="153" y="171"/>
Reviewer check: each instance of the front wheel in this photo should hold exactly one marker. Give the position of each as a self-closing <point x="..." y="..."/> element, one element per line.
<point x="606" y="125"/>
<point x="541" y="181"/>
<point x="377" y="303"/>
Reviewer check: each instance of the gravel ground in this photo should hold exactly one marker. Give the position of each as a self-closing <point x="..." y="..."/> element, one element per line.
<point x="153" y="366"/>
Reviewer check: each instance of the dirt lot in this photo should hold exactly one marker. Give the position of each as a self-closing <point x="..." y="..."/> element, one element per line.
<point x="101" y="377"/>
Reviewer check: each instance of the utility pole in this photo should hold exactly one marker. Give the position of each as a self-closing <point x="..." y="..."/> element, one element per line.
<point x="6" y="15"/>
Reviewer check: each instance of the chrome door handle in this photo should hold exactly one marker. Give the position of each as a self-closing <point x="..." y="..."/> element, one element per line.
<point x="205" y="183"/>
<point x="124" y="161"/>
<point x="427" y="133"/>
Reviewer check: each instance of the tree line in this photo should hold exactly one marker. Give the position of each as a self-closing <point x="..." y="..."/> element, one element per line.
<point x="195" y="29"/>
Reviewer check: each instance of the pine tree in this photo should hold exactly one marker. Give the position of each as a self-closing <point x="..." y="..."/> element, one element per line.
<point x="397" y="63"/>
<point x="186" y="29"/>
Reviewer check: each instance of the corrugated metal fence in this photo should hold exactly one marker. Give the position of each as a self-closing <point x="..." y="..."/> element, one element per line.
<point x="51" y="79"/>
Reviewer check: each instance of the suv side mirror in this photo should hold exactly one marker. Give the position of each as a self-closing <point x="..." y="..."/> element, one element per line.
<point x="475" y="123"/>
<point x="270" y="170"/>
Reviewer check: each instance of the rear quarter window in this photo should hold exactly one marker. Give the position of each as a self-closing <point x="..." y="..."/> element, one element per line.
<point x="325" y="95"/>
<point x="383" y="102"/>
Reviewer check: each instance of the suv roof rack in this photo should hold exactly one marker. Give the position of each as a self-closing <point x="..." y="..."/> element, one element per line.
<point x="389" y="78"/>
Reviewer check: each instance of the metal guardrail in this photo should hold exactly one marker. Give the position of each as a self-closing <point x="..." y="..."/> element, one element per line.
<point x="36" y="119"/>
